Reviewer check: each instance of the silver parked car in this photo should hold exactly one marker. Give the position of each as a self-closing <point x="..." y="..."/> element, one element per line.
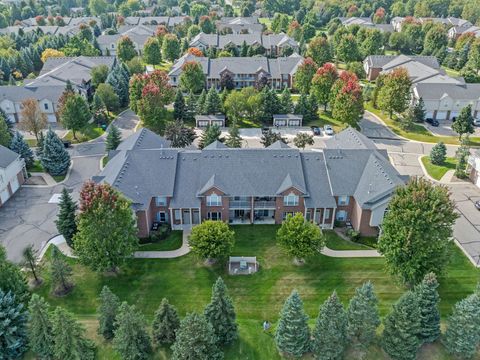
<point x="328" y="130"/>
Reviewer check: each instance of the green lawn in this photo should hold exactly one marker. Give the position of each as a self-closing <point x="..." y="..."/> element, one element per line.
<point x="187" y="283"/>
<point x="325" y="118"/>
<point x="104" y="160"/>
<point x="418" y="132"/>
<point x="335" y="242"/>
<point x="31" y="142"/>
<point x="37" y="167"/>
<point x="437" y="171"/>
<point x="90" y="132"/>
<point x="172" y="242"/>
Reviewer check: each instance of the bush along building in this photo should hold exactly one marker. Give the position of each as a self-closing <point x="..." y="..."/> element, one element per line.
<point x="348" y="181"/>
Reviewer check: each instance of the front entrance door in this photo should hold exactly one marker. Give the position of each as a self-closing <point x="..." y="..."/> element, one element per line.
<point x="196" y="217"/>
<point x="186" y="217"/>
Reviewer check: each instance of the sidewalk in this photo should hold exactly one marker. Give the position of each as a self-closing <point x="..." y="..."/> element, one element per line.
<point x="183" y="250"/>
<point x="350" y="253"/>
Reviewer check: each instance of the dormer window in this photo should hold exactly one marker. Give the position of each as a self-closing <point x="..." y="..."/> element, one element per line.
<point x="160" y="201"/>
<point x="214" y="200"/>
<point x="290" y="200"/>
<point x="45" y="106"/>
<point x="343" y="200"/>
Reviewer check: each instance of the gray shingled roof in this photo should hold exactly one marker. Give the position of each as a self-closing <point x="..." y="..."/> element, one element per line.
<point x="379" y="61"/>
<point x="7" y="157"/>
<point x="439" y="90"/>
<point x="144" y="139"/>
<point x="350" y="139"/>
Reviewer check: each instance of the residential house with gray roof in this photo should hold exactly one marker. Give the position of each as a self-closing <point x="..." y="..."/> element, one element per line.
<point x="12" y="173"/>
<point x="365" y="22"/>
<point x="421" y="66"/>
<point x="239" y="25"/>
<point x="50" y="84"/>
<point x="245" y="71"/>
<point x="182" y="187"/>
<point x="139" y="35"/>
<point x="274" y="44"/>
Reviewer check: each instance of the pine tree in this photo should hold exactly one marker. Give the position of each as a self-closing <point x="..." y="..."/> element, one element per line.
<point x="221" y="314"/>
<point x="107" y="313"/>
<point x="234" y="140"/>
<point x="362" y="315"/>
<point x="4" y="118"/>
<point x="195" y="339"/>
<point x="428" y="300"/>
<point x="209" y="135"/>
<point x="179" y="106"/>
<point x="462" y="335"/>
<point x="13" y="327"/>
<point x="114" y="138"/>
<point x="5" y="137"/>
<point x="438" y="153"/>
<point x="40" y="328"/>
<point x="201" y="101"/>
<point x="131" y="338"/>
<point x="55" y="159"/>
<point x="165" y="323"/>
<point x="20" y="146"/>
<point x="419" y="111"/>
<point x="190" y="108"/>
<point x="60" y="273"/>
<point x="330" y="333"/>
<point x="292" y="336"/>
<point x="286" y="103"/>
<point x="213" y="103"/>
<point x="402" y="326"/>
<point x="69" y="342"/>
<point x="65" y="222"/>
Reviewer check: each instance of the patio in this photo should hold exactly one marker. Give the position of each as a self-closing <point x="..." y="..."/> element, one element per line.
<point x="242" y="265"/>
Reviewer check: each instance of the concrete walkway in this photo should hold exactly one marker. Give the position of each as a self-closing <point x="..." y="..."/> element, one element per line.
<point x="60" y="243"/>
<point x="183" y="250"/>
<point x="350" y="253"/>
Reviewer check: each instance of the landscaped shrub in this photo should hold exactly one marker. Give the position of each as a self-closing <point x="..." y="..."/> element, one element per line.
<point x="353" y="235"/>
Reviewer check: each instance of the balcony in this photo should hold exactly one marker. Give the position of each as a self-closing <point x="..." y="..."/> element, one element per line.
<point x="240" y="204"/>
<point x="264" y="204"/>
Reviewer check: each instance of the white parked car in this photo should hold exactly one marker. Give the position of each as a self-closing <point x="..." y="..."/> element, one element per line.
<point x="476" y="122"/>
<point x="328" y="130"/>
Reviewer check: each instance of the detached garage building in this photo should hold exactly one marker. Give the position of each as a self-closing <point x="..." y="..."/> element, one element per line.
<point x="12" y="173"/>
<point x="287" y="120"/>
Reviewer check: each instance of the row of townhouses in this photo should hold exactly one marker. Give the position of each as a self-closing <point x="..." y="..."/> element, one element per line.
<point x="48" y="87"/>
<point x="245" y="71"/>
<point x="349" y="181"/>
<point x="12" y="173"/>
<point x="274" y="44"/>
<point x="444" y="96"/>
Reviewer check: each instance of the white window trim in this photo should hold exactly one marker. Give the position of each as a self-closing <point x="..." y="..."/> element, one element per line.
<point x="343" y="200"/>
<point x="291" y="200"/>
<point x="217" y="202"/>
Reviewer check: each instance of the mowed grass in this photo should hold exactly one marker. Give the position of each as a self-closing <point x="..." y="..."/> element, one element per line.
<point x="335" y="242"/>
<point x="172" y="242"/>
<point x="438" y="171"/>
<point x="90" y="132"/>
<point x="187" y="283"/>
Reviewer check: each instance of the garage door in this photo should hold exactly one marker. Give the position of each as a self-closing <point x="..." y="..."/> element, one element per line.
<point x="11" y="118"/>
<point x="4" y="195"/>
<point x="441" y="115"/>
<point x="429" y="115"/>
<point x="14" y="185"/>
<point x="454" y="114"/>
<point x="51" y="118"/>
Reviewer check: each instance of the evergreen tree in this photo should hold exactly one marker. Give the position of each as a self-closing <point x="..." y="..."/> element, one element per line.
<point x="4" y="118"/>
<point x="65" y="222"/>
<point x="462" y="335"/>
<point x="244" y="49"/>
<point x="69" y="341"/>
<point x="13" y="327"/>
<point x="221" y="314"/>
<point x="269" y="103"/>
<point x="179" y="106"/>
<point x="118" y="78"/>
<point x="165" y="323"/>
<point x="114" y="138"/>
<point x="40" y="328"/>
<point x="461" y="155"/>
<point x="402" y="326"/>
<point x="428" y="299"/>
<point x="20" y="146"/>
<point x="292" y="336"/>
<point x="60" y="273"/>
<point x="131" y="338"/>
<point x="234" y="140"/>
<point x="107" y="313"/>
<point x="55" y="159"/>
<point x="362" y="314"/>
<point x="190" y="108"/>
<point x="201" y="102"/>
<point x="195" y="339"/>
<point x="330" y="333"/>
<point x="209" y="135"/>
<point x="213" y="104"/>
<point x="5" y="137"/>
<point x="12" y="278"/>
<point x="180" y="135"/>
<point x="438" y="153"/>
<point x="286" y="103"/>
<point x="419" y="111"/>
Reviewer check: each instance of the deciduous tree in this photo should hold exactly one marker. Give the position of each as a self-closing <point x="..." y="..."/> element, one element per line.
<point x="75" y="113"/>
<point x="285" y="102"/>
<point x="171" y="47"/>
<point x="211" y="239"/>
<point x="221" y="314"/>
<point x="107" y="94"/>
<point x="320" y="50"/>
<point x="417" y="230"/>
<point x="394" y="93"/>
<point x="5" y="137"/>
<point x="192" y="78"/>
<point x="292" y="335"/>
<point x="270" y="137"/>
<point x="152" y="51"/>
<point x="165" y="323"/>
<point x="304" y="75"/>
<point x="106" y="232"/>
<point x="299" y="238"/>
<point x="32" y="120"/>
<point x="303" y="139"/>
<point x="464" y="122"/>
<point x="12" y="279"/>
<point x="322" y="83"/>
<point x="126" y="49"/>
<point x="347" y="99"/>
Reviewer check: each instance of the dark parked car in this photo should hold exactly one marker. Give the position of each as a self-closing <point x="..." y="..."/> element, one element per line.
<point x="477" y="204"/>
<point x="316" y="130"/>
<point x="265" y="130"/>
<point x="67" y="144"/>
<point x="432" y="122"/>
